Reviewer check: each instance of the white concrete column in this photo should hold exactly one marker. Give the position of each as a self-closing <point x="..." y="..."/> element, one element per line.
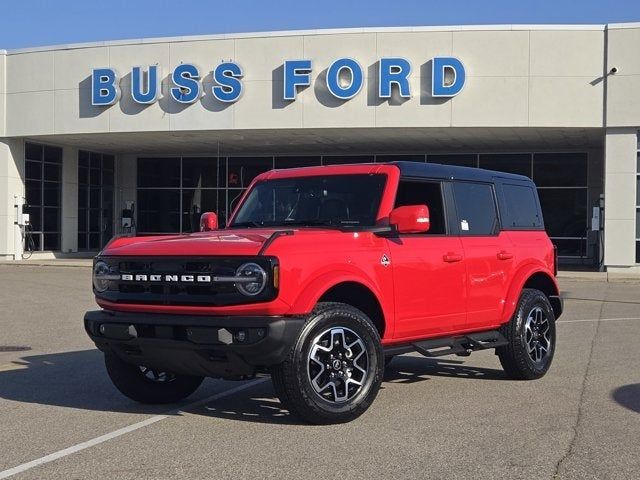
<point x="3" y="86"/>
<point x="126" y="181"/>
<point x="620" y="198"/>
<point x="11" y="185"/>
<point x="69" y="199"/>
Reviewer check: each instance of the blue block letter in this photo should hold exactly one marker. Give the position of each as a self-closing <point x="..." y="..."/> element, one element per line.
<point x="440" y="66"/>
<point x="344" y="92"/>
<point x="296" y="72"/>
<point x="148" y="93"/>
<point x="187" y="88"/>
<point x="227" y="75"/>
<point x="394" y="71"/>
<point x="104" y="88"/>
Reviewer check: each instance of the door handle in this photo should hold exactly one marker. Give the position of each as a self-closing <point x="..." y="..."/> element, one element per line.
<point x="504" y="255"/>
<point x="452" y="257"/>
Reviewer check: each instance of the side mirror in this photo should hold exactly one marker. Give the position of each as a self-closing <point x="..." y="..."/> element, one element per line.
<point x="208" y="222"/>
<point x="410" y="219"/>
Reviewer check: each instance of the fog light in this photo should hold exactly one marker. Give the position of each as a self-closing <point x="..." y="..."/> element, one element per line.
<point x="241" y="336"/>
<point x="102" y="329"/>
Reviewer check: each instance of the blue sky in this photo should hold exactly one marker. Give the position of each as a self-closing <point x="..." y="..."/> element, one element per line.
<point x="28" y="23"/>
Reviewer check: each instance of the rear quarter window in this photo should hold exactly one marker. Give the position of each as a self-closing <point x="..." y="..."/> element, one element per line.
<point x="522" y="207"/>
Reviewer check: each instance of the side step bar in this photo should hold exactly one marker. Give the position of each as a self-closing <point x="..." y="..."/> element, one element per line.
<point x="461" y="345"/>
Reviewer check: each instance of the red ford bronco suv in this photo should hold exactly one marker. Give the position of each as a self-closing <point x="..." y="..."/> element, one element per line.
<point x="322" y="275"/>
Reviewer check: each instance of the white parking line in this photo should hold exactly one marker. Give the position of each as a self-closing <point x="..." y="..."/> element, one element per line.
<point x="598" y="320"/>
<point x="122" y="431"/>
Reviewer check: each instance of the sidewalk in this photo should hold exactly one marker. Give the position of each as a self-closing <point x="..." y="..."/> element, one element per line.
<point x="57" y="262"/>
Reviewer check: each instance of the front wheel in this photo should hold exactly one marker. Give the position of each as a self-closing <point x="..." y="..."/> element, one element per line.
<point x="146" y="385"/>
<point x="531" y="334"/>
<point x="333" y="372"/>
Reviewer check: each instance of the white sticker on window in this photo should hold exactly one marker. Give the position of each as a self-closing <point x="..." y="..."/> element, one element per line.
<point x="464" y="225"/>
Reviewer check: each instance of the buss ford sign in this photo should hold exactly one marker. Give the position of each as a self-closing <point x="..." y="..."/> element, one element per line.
<point x="344" y="80"/>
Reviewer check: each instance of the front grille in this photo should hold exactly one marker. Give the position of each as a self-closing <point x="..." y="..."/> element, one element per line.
<point x="182" y="293"/>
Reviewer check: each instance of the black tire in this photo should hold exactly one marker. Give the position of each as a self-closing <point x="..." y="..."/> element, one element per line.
<point x="135" y="383"/>
<point x="525" y="356"/>
<point x="292" y="378"/>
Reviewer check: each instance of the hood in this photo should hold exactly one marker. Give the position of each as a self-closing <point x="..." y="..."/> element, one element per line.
<point x="241" y="242"/>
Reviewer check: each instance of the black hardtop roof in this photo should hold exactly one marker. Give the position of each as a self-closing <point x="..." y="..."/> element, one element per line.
<point x="437" y="170"/>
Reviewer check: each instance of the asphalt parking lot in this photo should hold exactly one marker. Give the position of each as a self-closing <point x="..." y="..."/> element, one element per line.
<point x="453" y="417"/>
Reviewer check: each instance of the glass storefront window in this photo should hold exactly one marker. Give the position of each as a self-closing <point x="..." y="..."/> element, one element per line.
<point x="564" y="211"/>
<point x="343" y="159"/>
<point x="297" y="161"/>
<point x="200" y="172"/>
<point x="198" y="184"/>
<point x="400" y="158"/>
<point x="560" y="169"/>
<point x="95" y="199"/>
<point x="175" y="204"/>
<point x="460" y="160"/>
<point x="242" y="170"/>
<point x="194" y="203"/>
<point x="519" y="163"/>
<point x="159" y="211"/>
<point x="571" y="247"/>
<point x="159" y="172"/>
<point x="43" y="192"/>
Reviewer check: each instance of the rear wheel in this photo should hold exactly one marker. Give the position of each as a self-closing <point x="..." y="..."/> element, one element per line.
<point x="333" y="372"/>
<point x="531" y="334"/>
<point x="146" y="385"/>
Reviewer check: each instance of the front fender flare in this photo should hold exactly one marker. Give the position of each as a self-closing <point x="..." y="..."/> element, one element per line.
<point x="313" y="291"/>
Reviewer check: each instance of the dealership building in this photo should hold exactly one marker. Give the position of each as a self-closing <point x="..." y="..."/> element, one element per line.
<point x="159" y="130"/>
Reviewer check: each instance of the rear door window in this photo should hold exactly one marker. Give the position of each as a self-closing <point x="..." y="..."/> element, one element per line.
<point x="476" y="208"/>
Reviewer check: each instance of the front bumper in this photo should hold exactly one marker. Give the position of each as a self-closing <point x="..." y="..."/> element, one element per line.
<point x="222" y="347"/>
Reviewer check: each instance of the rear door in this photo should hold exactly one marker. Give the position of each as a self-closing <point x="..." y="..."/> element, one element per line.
<point x="487" y="250"/>
<point x="428" y="268"/>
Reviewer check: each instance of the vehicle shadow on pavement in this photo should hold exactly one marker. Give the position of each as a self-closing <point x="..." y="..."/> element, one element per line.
<point x="262" y="406"/>
<point x="78" y="380"/>
<point x="628" y="396"/>
<point x="71" y="379"/>
<point x="411" y="369"/>
<point x="257" y="405"/>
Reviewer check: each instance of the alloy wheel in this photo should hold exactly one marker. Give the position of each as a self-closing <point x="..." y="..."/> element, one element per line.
<point x="537" y="335"/>
<point x="337" y="364"/>
<point x="156" y="376"/>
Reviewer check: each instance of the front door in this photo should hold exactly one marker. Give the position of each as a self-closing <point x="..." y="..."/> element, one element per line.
<point x="428" y="269"/>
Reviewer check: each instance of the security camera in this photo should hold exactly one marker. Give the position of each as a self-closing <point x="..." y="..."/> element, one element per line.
<point x="613" y="71"/>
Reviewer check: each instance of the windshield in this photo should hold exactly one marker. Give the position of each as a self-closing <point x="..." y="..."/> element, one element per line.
<point x="332" y="200"/>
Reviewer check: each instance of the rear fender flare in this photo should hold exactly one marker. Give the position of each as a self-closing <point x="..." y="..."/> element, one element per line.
<point x="517" y="284"/>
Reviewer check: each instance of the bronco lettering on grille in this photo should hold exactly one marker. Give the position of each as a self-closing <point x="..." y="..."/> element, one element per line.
<point x="141" y="277"/>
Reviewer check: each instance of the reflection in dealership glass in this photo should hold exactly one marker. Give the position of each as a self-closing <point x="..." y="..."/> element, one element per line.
<point x="334" y="200"/>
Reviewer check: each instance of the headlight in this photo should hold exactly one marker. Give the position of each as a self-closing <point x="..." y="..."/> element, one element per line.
<point x="256" y="279"/>
<point x="101" y="276"/>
